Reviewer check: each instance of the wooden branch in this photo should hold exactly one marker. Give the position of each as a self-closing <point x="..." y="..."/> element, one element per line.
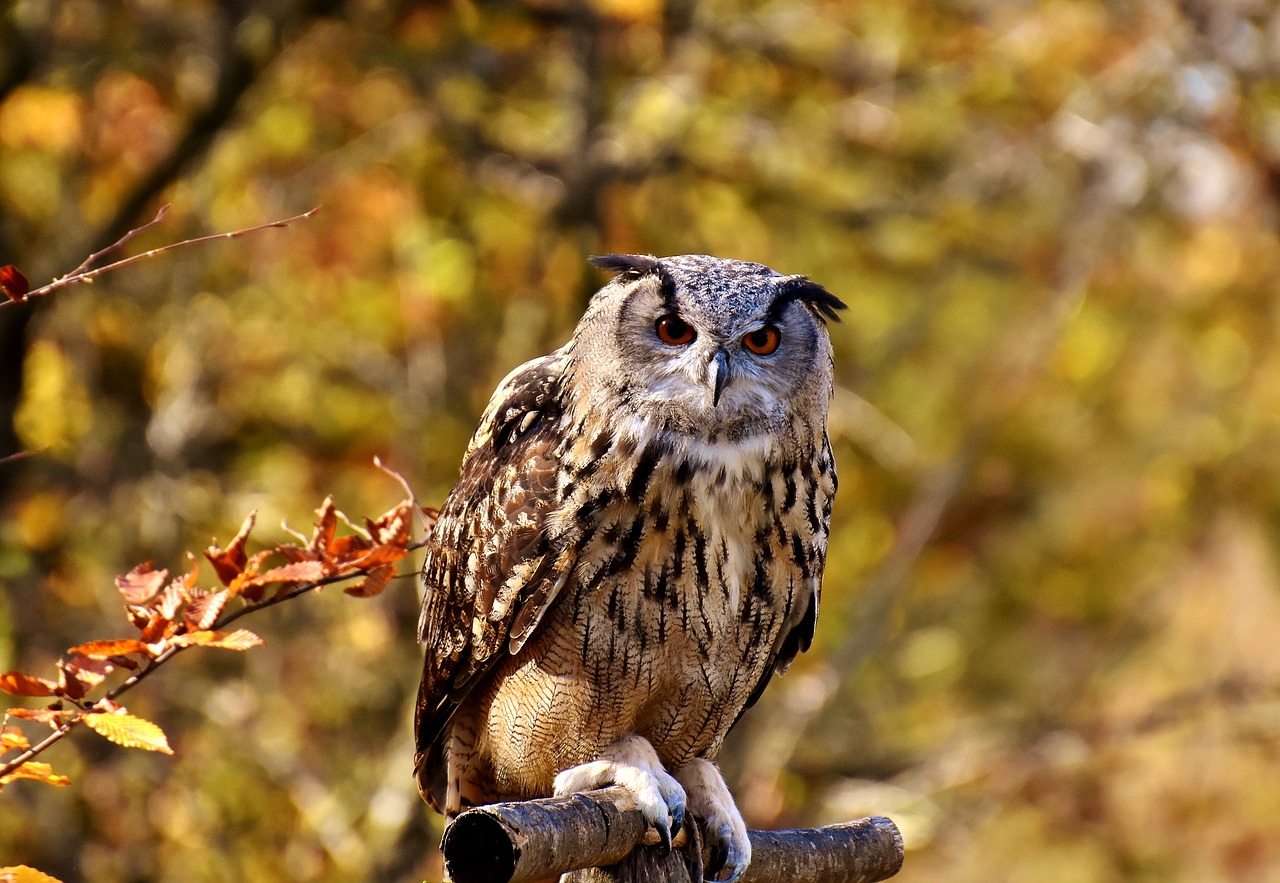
<point x="540" y="839"/>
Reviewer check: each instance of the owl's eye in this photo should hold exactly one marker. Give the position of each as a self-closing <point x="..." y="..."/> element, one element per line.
<point x="673" y="330"/>
<point x="763" y="341"/>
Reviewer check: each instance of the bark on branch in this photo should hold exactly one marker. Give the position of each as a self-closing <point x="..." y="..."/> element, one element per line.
<point x="540" y="839"/>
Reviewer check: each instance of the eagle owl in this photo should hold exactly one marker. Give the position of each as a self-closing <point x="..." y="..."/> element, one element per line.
<point x="635" y="545"/>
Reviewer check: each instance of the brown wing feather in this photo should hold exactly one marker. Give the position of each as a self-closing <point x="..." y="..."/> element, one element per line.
<point x="797" y="633"/>
<point x="490" y="570"/>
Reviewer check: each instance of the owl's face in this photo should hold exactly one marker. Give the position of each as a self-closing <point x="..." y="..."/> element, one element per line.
<point x="706" y="346"/>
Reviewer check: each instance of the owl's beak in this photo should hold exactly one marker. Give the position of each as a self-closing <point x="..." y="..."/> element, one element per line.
<point x="719" y="370"/>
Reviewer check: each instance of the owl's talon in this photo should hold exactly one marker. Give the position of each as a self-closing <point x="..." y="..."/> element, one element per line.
<point x="710" y="799"/>
<point x="676" y="809"/>
<point x="725" y="854"/>
<point x="632" y="763"/>
<point x="716" y="861"/>
<point x="665" y="834"/>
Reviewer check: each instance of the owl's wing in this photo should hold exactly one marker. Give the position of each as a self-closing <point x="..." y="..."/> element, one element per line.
<point x="797" y="632"/>
<point x="491" y="568"/>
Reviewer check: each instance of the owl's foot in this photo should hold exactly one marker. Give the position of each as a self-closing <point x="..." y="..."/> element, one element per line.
<point x="632" y="763"/>
<point x="710" y="799"/>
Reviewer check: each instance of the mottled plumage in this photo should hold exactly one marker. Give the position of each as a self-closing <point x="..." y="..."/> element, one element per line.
<point x="635" y="545"/>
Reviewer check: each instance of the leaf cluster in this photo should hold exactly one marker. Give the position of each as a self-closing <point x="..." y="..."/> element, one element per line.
<point x="172" y="615"/>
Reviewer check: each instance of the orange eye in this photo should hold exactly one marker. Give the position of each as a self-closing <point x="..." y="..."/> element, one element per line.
<point x="763" y="341"/>
<point x="674" y="331"/>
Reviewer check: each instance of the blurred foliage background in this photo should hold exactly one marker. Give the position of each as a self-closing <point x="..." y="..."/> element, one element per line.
<point x="1049" y="641"/>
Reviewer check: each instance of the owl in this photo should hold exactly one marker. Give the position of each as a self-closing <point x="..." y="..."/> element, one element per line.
<point x="635" y="545"/>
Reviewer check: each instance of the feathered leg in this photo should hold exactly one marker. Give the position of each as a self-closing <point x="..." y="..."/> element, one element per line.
<point x="632" y="763"/>
<point x="709" y="799"/>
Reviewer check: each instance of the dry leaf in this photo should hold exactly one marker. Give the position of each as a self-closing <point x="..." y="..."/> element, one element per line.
<point x="52" y="715"/>
<point x="326" y="527"/>
<point x="230" y="563"/>
<point x="12" y="738"/>
<point x="374" y="583"/>
<point x="155" y="632"/>
<point x="395" y="527"/>
<point x="129" y="731"/>
<point x="40" y="772"/>
<point x="79" y="674"/>
<point x="240" y="639"/>
<point x="204" y="608"/>
<point x="244" y="583"/>
<point x="19" y="684"/>
<point x="294" y="554"/>
<point x="107" y="649"/>
<point x="140" y="585"/>
<point x="378" y="556"/>
<point x="188" y="579"/>
<point x="168" y="602"/>
<point x="295" y="572"/>
<point x="13" y="284"/>
<point x="344" y="551"/>
<point x="23" y="874"/>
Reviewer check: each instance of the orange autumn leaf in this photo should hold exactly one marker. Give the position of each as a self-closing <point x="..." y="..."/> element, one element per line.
<point x="374" y="583"/>
<point x="377" y="557"/>
<point x="294" y="554"/>
<point x="80" y="674"/>
<point x="20" y="684"/>
<point x="295" y="572"/>
<point x="12" y="738"/>
<point x="107" y="649"/>
<point x="168" y="602"/>
<point x="40" y="772"/>
<point x="343" y="550"/>
<point x="203" y="608"/>
<point x="326" y="527"/>
<point x="394" y="527"/>
<point x="24" y="874"/>
<point x="245" y="583"/>
<point x="140" y="585"/>
<point x="129" y="731"/>
<point x="156" y="630"/>
<point x="229" y="563"/>
<point x="188" y="579"/>
<point x="52" y="715"/>
<point x="240" y="639"/>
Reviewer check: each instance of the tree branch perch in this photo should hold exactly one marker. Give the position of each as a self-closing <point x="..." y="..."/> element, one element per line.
<point x="540" y="839"/>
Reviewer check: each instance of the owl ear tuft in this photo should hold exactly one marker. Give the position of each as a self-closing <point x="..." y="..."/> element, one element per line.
<point x="635" y="266"/>
<point x="801" y="288"/>
<point x="624" y="263"/>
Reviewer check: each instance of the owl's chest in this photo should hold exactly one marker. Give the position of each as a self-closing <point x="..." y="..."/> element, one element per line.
<point x="679" y="577"/>
<point x="664" y="529"/>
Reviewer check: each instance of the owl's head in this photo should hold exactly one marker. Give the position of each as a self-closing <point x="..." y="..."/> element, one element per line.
<point x="707" y="346"/>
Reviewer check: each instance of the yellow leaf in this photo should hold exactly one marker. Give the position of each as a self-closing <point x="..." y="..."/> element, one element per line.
<point x="41" y="772"/>
<point x="129" y="731"/>
<point x="11" y="738"/>
<point x="23" y="874"/>
<point x="240" y="639"/>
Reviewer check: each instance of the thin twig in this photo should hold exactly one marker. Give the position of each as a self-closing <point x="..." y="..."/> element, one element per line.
<point x="119" y="243"/>
<point x="83" y="275"/>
